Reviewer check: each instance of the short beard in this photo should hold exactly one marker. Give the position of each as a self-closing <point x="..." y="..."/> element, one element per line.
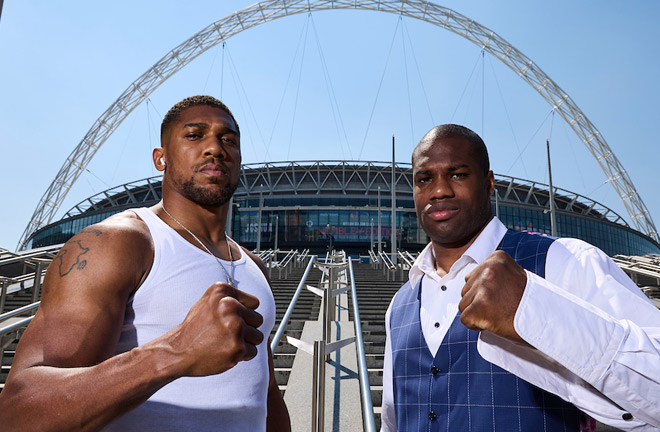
<point x="205" y="197"/>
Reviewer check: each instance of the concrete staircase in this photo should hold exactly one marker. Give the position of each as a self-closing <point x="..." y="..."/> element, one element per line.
<point x="374" y="293"/>
<point x="307" y="309"/>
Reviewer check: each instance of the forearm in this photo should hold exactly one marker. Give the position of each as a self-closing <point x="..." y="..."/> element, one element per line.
<point x="613" y="354"/>
<point x="47" y="398"/>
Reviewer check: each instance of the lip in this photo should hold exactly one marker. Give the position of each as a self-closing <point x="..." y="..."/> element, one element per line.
<point x="213" y="170"/>
<point x="440" y="212"/>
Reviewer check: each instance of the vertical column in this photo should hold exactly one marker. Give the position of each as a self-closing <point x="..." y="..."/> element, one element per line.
<point x="3" y="295"/>
<point x="380" y="239"/>
<point x="393" y="188"/>
<point x="318" y="394"/>
<point x="36" y="287"/>
<point x="261" y="206"/>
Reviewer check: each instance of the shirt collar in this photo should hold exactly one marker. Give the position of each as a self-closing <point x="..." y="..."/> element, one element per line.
<point x="485" y="244"/>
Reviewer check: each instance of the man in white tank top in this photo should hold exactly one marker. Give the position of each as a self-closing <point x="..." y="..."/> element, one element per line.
<point x="154" y="319"/>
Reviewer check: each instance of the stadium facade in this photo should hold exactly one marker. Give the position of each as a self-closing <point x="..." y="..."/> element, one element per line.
<point x="316" y="204"/>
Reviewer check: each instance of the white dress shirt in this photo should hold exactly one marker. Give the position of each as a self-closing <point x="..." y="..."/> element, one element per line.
<point x="596" y="336"/>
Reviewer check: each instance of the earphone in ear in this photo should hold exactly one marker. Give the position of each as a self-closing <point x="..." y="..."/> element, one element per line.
<point x="162" y="161"/>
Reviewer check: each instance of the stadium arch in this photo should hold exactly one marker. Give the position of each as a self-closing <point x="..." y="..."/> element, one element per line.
<point x="263" y="12"/>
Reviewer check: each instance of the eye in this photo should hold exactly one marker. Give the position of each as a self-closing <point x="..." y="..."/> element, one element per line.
<point x="228" y="140"/>
<point x="459" y="175"/>
<point x="423" y="179"/>
<point x="193" y="135"/>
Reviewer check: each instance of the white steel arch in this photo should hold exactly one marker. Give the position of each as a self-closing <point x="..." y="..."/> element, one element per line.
<point x="266" y="11"/>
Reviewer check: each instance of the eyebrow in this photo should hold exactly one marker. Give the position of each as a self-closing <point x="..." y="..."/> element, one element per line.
<point x="421" y="172"/>
<point x="225" y="129"/>
<point x="451" y="168"/>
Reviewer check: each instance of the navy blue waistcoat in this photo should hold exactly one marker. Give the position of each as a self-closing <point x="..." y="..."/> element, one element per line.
<point x="457" y="390"/>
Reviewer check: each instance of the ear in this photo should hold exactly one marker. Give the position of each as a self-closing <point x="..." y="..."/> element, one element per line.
<point x="158" y="156"/>
<point x="490" y="182"/>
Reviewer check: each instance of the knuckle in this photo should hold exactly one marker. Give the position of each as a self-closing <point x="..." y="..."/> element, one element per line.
<point x="488" y="274"/>
<point x="223" y="288"/>
<point x="227" y="305"/>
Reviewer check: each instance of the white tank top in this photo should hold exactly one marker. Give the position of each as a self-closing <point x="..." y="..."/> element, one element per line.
<point x="231" y="401"/>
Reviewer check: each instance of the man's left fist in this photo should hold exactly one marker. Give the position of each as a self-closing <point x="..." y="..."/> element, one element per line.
<point x="491" y="295"/>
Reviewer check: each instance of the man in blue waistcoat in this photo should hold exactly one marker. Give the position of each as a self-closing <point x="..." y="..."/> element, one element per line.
<point x="498" y="330"/>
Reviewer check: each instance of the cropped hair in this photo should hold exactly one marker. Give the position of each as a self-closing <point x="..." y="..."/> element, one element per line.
<point x="458" y="131"/>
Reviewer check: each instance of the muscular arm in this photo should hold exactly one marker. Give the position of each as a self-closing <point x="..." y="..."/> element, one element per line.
<point x="65" y="376"/>
<point x="278" y="415"/>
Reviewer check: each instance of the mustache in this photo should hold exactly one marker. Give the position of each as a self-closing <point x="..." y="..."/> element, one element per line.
<point x="213" y="161"/>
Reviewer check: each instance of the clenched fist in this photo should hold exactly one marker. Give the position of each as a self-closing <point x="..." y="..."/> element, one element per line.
<point x="491" y="295"/>
<point x="220" y="330"/>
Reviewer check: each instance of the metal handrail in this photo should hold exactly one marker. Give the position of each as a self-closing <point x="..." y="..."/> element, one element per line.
<point x="302" y="255"/>
<point x="387" y="261"/>
<point x="363" y="374"/>
<point x="287" y="258"/>
<point x="405" y="258"/>
<point x="15" y="326"/>
<point x="46" y="254"/>
<point x="292" y="304"/>
<point x="19" y="311"/>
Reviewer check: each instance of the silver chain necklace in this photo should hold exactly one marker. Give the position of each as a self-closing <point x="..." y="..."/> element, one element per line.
<point x="230" y="279"/>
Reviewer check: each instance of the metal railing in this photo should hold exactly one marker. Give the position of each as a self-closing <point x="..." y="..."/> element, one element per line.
<point x="339" y="280"/>
<point x="373" y="258"/>
<point x="302" y="256"/>
<point x="363" y="374"/>
<point x="38" y="260"/>
<point x="11" y="330"/>
<point x="292" y="305"/>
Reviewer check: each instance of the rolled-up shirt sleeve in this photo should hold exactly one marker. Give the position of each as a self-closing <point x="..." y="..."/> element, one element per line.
<point x="595" y="338"/>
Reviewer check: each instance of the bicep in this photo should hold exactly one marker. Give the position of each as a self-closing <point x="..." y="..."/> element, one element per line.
<point x="84" y="300"/>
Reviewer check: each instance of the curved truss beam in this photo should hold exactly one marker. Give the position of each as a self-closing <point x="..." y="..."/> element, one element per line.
<point x="267" y="11"/>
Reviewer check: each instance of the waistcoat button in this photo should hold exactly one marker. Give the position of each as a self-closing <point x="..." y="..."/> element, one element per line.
<point x="434" y="370"/>
<point x="432" y="416"/>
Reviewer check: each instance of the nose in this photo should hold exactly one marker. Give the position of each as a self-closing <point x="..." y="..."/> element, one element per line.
<point x="441" y="189"/>
<point x="214" y="147"/>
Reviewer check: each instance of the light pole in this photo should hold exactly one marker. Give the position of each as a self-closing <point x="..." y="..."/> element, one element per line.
<point x="277" y="225"/>
<point x="372" y="235"/>
<point x="380" y="240"/>
<point x="261" y="206"/>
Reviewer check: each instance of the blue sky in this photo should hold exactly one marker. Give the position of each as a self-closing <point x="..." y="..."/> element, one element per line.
<point x="306" y="88"/>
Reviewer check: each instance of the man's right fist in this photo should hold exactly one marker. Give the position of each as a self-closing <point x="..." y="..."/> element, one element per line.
<point x="220" y="330"/>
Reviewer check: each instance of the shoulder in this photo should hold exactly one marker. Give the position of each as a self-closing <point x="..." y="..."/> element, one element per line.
<point x="576" y="260"/>
<point x="119" y="246"/>
<point x="574" y="250"/>
<point x="124" y="233"/>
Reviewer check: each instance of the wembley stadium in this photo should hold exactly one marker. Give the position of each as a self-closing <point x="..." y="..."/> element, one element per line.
<point x="348" y="205"/>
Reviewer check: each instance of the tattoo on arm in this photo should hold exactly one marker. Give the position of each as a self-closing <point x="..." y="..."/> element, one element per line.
<point x="90" y="230"/>
<point x="70" y="257"/>
<point x="71" y="253"/>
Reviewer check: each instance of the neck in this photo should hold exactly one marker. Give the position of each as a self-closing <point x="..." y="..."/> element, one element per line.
<point x="447" y="254"/>
<point x="206" y="222"/>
